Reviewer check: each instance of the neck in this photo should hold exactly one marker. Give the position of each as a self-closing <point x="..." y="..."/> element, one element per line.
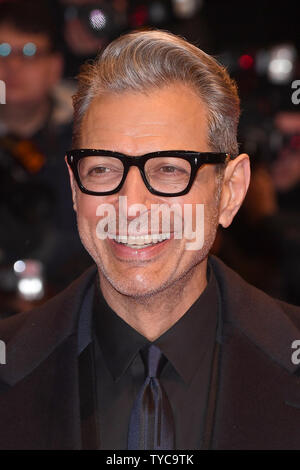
<point x="152" y="315"/>
<point x="26" y="119"/>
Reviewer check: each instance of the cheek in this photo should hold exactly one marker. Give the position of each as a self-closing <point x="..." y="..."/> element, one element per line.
<point x="201" y="203"/>
<point x="42" y="78"/>
<point x="87" y="207"/>
<point x="36" y="78"/>
<point x="2" y="72"/>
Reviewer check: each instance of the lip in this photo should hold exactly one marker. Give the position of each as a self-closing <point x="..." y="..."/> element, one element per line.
<point x="123" y="252"/>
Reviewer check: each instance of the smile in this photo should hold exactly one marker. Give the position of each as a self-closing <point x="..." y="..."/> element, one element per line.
<point x="140" y="241"/>
<point x="139" y="247"/>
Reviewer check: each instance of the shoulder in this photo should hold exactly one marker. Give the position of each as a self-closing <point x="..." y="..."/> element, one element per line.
<point x="268" y="323"/>
<point x="239" y="292"/>
<point x="60" y="309"/>
<point x="30" y="337"/>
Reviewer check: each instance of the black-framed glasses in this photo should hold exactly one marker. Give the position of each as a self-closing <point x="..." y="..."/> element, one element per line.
<point x="165" y="173"/>
<point x="28" y="52"/>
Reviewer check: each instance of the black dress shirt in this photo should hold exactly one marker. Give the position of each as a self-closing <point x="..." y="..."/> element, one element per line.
<point x="188" y="345"/>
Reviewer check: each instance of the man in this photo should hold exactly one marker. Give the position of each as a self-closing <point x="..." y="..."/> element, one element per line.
<point x="158" y="346"/>
<point x="35" y="129"/>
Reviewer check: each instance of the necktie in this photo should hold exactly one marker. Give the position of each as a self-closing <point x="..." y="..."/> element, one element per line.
<point x="151" y="423"/>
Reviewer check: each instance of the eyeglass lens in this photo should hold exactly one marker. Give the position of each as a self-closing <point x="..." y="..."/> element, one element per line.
<point x="164" y="174"/>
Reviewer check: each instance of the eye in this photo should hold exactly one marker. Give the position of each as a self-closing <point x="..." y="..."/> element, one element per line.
<point x="103" y="171"/>
<point x="168" y="169"/>
<point x="171" y="170"/>
<point x="99" y="170"/>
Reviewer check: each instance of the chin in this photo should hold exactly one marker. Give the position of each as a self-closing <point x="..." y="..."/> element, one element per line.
<point x="138" y="286"/>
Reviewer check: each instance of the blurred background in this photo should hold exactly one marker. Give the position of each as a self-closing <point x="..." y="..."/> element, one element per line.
<point x="42" y="45"/>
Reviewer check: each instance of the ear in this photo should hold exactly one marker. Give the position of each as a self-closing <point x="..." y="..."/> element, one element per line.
<point x="73" y="184"/>
<point x="235" y="185"/>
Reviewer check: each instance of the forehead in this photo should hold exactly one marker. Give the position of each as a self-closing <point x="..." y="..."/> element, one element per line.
<point x="172" y="117"/>
<point x="8" y="33"/>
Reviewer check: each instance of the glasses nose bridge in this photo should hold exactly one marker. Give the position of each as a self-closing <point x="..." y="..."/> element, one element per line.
<point x="13" y="59"/>
<point x="135" y="162"/>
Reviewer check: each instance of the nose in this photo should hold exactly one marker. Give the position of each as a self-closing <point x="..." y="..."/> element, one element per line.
<point x="134" y="188"/>
<point x="14" y="62"/>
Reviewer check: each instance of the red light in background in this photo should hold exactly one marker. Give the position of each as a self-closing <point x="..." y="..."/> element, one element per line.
<point x="139" y="17"/>
<point x="246" y="61"/>
<point x="295" y="142"/>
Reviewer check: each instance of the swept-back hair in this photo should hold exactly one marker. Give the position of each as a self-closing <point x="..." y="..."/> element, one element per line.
<point x="144" y="60"/>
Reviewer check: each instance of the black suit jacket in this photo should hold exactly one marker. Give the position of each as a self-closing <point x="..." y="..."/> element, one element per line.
<point x="257" y="402"/>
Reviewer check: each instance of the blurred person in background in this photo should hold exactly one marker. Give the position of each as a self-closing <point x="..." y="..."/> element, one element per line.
<point x="285" y="174"/>
<point x="35" y="128"/>
<point x="88" y="26"/>
<point x="263" y="243"/>
<point x="285" y="170"/>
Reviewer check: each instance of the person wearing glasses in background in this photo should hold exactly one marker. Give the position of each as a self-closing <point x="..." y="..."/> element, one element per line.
<point x="35" y="128"/>
<point x="159" y="345"/>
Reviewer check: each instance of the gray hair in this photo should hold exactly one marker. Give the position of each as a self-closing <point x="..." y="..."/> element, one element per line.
<point x="144" y="60"/>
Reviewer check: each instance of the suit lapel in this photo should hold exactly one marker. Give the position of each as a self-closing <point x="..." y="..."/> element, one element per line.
<point x="41" y="411"/>
<point x="88" y="400"/>
<point x="257" y="383"/>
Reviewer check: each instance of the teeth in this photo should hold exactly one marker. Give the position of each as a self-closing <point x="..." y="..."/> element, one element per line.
<point x="140" y="239"/>
<point x="137" y="247"/>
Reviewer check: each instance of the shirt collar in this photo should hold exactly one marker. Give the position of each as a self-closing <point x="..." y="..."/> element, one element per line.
<point x="184" y="344"/>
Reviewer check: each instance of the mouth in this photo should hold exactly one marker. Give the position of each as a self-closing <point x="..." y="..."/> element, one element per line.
<point x="140" y="241"/>
<point x="139" y="247"/>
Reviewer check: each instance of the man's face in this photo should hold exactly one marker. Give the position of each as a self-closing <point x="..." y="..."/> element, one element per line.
<point x="172" y="118"/>
<point x="27" y="79"/>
